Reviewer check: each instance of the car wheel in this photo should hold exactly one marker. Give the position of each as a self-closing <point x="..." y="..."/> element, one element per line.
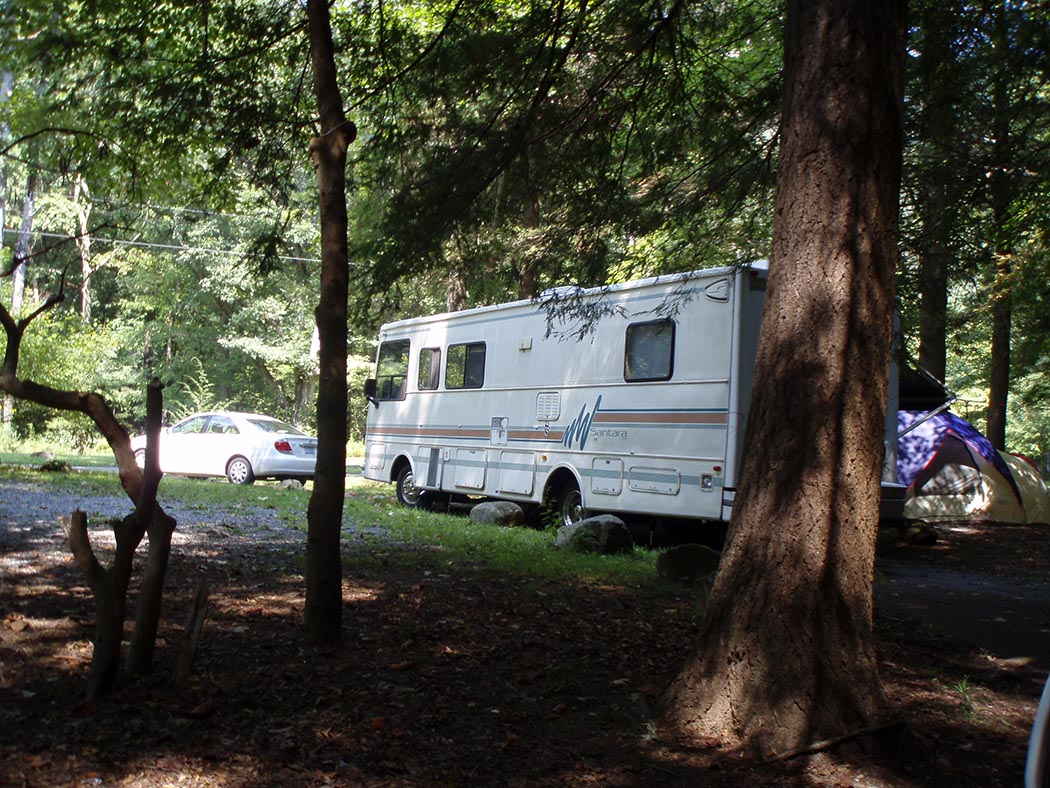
<point x="239" y="471"/>
<point x="407" y="492"/>
<point x="570" y="505"/>
<point x="140" y="458"/>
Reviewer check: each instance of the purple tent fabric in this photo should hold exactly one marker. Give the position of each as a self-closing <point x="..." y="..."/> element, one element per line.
<point x="916" y="449"/>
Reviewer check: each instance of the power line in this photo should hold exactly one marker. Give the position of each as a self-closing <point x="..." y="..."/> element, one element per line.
<point x="162" y="247"/>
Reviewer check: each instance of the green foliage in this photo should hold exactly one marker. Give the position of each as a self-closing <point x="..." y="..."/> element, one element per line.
<point x="505" y="146"/>
<point x="516" y="143"/>
<point x="195" y="394"/>
<point x="976" y="193"/>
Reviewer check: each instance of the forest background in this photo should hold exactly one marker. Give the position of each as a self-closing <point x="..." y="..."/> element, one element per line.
<point x="155" y="170"/>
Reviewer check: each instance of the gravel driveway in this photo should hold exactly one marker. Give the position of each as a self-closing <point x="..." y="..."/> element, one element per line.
<point x="30" y="512"/>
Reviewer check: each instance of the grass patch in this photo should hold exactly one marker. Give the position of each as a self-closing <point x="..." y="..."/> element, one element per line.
<point x="451" y="540"/>
<point x="36" y="459"/>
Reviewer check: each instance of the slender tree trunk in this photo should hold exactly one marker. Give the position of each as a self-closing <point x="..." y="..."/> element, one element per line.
<point x="934" y="263"/>
<point x="936" y="209"/>
<point x="1002" y="252"/>
<point x="786" y="650"/>
<point x="528" y="271"/>
<point x="82" y="202"/>
<point x="23" y="246"/>
<point x="456" y="289"/>
<point x="21" y="262"/>
<point x="323" y="611"/>
<point x="7" y="79"/>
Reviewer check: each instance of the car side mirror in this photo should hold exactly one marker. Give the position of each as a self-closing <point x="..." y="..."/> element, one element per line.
<point x="370" y="391"/>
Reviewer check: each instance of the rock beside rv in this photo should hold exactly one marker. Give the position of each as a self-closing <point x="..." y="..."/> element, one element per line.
<point x="504" y="513"/>
<point x="601" y="534"/>
<point x="687" y="562"/>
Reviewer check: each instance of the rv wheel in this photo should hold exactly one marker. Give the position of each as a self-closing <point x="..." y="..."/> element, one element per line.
<point x="407" y="492"/>
<point x="570" y="505"/>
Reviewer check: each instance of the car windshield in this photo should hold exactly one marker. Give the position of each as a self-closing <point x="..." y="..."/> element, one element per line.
<point x="278" y="427"/>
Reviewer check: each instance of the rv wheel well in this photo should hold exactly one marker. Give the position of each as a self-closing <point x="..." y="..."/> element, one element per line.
<point x="399" y="463"/>
<point x="556" y="482"/>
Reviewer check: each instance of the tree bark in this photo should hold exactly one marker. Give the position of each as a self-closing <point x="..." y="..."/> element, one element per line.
<point x="160" y="528"/>
<point x="323" y="612"/>
<point x="786" y="655"/>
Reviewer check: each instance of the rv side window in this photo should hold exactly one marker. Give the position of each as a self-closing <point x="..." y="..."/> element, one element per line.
<point x="649" y="353"/>
<point x="465" y="366"/>
<point x="392" y="370"/>
<point x="429" y="368"/>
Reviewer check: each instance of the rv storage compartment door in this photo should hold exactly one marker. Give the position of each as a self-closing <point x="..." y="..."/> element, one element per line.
<point x="470" y="468"/>
<point x="517" y="472"/>
<point x="663" y="481"/>
<point x="607" y="476"/>
<point x="375" y="455"/>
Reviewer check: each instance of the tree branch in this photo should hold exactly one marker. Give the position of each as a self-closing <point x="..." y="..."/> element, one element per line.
<point x="80" y="543"/>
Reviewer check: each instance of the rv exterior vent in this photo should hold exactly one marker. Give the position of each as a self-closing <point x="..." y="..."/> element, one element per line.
<point x="548" y="406"/>
<point x="557" y="293"/>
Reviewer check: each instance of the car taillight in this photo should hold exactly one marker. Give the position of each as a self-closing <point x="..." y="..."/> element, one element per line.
<point x="283" y="446"/>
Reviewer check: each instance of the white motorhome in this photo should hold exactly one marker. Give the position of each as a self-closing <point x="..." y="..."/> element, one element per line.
<point x="642" y="415"/>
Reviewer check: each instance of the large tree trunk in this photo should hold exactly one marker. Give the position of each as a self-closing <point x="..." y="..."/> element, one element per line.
<point x="786" y="654"/>
<point x="324" y="575"/>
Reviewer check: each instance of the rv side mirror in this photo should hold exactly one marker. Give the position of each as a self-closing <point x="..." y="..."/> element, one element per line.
<point x="370" y="391"/>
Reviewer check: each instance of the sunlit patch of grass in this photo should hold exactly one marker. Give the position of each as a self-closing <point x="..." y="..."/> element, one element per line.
<point x="453" y="539"/>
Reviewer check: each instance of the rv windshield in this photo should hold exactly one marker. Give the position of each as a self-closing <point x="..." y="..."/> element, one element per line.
<point x="392" y="370"/>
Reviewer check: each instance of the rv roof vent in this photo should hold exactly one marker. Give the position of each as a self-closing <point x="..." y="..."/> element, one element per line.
<point x="565" y="291"/>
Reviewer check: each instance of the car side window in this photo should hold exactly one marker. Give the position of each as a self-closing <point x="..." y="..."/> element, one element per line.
<point x="190" y="426"/>
<point x="222" y="425"/>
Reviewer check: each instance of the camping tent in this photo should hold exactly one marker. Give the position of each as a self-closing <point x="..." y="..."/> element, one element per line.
<point x="1035" y="495"/>
<point x="952" y="472"/>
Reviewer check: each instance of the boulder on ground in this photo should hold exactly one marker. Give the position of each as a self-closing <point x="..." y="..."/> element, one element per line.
<point x="601" y="534"/>
<point x="56" y="466"/>
<point x="687" y="562"/>
<point x="921" y="533"/>
<point x="497" y="513"/>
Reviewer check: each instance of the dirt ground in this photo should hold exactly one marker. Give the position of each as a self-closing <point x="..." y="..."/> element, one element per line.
<point x="450" y="675"/>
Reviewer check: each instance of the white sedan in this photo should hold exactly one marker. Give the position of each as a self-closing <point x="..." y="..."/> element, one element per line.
<point x="242" y="447"/>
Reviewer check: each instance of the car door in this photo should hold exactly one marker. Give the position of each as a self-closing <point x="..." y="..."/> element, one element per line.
<point x="180" y="446"/>
<point x="221" y="441"/>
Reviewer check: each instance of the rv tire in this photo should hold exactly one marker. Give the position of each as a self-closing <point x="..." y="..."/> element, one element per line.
<point x="570" y="505"/>
<point x="408" y="494"/>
